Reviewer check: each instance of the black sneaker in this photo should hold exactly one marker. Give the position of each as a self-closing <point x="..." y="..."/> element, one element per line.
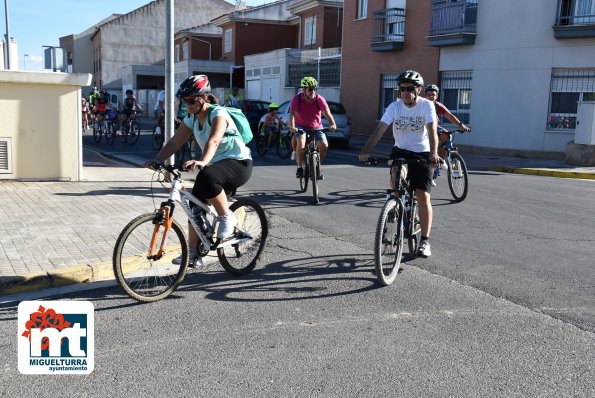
<point x="424" y="249"/>
<point x="300" y="172"/>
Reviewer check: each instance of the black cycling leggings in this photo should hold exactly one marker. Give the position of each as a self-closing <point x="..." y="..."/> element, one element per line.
<point x="227" y="174"/>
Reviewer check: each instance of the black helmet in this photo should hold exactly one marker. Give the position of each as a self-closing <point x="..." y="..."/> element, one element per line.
<point x="195" y="86"/>
<point x="103" y="91"/>
<point x="129" y="91"/>
<point x="431" y="87"/>
<point x="411" y="76"/>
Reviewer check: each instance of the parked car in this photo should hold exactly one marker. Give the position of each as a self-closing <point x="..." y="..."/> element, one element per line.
<point x="343" y="132"/>
<point x="254" y="110"/>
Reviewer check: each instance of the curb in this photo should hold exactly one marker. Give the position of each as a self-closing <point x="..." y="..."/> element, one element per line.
<point x="83" y="273"/>
<point x="543" y="172"/>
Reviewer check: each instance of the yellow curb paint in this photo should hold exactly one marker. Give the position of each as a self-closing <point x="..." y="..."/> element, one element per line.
<point x="544" y="172"/>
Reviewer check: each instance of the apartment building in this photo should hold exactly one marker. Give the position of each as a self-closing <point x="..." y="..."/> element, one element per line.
<point x="382" y="38"/>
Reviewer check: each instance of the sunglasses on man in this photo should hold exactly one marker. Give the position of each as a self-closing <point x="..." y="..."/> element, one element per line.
<point x="407" y="88"/>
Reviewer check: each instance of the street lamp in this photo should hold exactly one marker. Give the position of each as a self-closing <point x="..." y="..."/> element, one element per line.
<point x="202" y="41"/>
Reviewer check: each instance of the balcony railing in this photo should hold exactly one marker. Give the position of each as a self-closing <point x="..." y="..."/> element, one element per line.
<point x="388" y="32"/>
<point x="575" y="19"/>
<point x="453" y="24"/>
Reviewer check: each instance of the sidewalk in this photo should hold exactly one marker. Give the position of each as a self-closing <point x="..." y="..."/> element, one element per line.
<point x="58" y="233"/>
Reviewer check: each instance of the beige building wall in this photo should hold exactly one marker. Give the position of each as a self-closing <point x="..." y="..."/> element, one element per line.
<point x="40" y="118"/>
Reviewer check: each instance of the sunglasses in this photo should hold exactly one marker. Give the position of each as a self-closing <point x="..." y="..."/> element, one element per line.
<point x="309" y="89"/>
<point x="191" y="101"/>
<point x="407" y="88"/>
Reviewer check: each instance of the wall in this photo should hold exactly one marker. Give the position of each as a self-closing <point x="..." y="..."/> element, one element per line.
<point x="47" y="146"/>
<point x="512" y="60"/>
<point x="361" y="67"/>
<point x="252" y="38"/>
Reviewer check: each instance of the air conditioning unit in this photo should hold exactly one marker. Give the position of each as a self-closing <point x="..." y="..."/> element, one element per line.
<point x="5" y="156"/>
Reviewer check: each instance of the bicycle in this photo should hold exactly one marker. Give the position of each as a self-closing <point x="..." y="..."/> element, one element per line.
<point x="458" y="179"/>
<point x="280" y="140"/>
<point x="142" y="258"/>
<point x="159" y="138"/>
<point x="311" y="165"/>
<point x="109" y="124"/>
<point x="399" y="219"/>
<point x="131" y="129"/>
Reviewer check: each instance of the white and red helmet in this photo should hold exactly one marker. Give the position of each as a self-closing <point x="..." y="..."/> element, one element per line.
<point x="194" y="86"/>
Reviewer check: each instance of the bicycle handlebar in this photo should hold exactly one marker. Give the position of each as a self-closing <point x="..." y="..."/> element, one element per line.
<point x="175" y="169"/>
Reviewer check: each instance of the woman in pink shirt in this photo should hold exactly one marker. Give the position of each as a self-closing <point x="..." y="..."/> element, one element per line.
<point x="305" y="113"/>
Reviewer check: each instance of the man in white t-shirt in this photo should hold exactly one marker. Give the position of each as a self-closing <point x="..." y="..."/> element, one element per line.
<point x="414" y="124"/>
<point x="159" y="109"/>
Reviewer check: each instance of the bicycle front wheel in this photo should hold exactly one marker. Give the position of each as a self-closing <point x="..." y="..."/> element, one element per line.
<point x="96" y="135"/>
<point x="140" y="271"/>
<point x="305" y="178"/>
<point x="110" y="134"/>
<point x="157" y="139"/>
<point x="388" y="243"/>
<point x="314" y="170"/>
<point x="261" y="146"/>
<point x="457" y="177"/>
<point x="414" y="229"/>
<point x="284" y="147"/>
<point x="251" y="232"/>
<point x="133" y="133"/>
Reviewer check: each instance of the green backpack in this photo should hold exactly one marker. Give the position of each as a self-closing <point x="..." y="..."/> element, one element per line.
<point x="240" y="121"/>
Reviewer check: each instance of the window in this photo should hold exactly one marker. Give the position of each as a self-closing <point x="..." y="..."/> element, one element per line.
<point x="227" y="46"/>
<point x="310" y="31"/>
<point x="387" y="92"/>
<point x="362" y="9"/>
<point x="584" y="12"/>
<point x="185" y="50"/>
<point x="568" y="88"/>
<point x="455" y="94"/>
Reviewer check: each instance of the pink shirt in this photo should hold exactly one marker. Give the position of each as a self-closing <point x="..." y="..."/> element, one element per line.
<point x="308" y="115"/>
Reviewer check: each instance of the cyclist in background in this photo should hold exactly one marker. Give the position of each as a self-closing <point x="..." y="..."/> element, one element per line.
<point x="431" y="91"/>
<point x="100" y="108"/>
<point x="85" y="112"/>
<point x="226" y="161"/>
<point x="305" y="113"/>
<point x="93" y="97"/>
<point x="234" y="98"/>
<point x="272" y="123"/>
<point x="159" y="110"/>
<point x="129" y="107"/>
<point x="414" y="128"/>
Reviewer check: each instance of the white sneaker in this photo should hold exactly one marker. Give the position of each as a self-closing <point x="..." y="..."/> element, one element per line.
<point x="227" y="223"/>
<point x="433" y="183"/>
<point x="443" y="166"/>
<point x="293" y="155"/>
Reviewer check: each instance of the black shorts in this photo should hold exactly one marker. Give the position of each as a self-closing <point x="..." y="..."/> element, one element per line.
<point x="420" y="175"/>
<point x="227" y="174"/>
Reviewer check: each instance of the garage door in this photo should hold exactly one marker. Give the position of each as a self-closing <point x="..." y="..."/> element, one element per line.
<point x="270" y="89"/>
<point x="253" y="89"/>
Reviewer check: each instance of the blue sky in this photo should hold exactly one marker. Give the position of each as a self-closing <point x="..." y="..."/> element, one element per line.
<point x="37" y="23"/>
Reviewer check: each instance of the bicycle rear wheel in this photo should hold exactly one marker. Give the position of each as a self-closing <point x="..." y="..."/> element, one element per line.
<point x="414" y="229"/>
<point x="314" y="170"/>
<point x="157" y="139"/>
<point x="457" y="177"/>
<point x="110" y="133"/>
<point x="141" y="274"/>
<point x="96" y="135"/>
<point x="252" y="231"/>
<point x="261" y="145"/>
<point x="284" y="147"/>
<point x="388" y="243"/>
<point x="133" y="133"/>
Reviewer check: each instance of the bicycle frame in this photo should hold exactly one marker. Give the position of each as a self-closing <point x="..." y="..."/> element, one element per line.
<point x="164" y="216"/>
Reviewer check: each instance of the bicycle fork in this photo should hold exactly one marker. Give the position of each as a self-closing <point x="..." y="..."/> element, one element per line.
<point x="163" y="217"/>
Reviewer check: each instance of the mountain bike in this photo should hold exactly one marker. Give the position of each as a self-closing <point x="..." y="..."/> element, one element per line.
<point x="131" y="129"/>
<point x="311" y="165"/>
<point x="398" y="220"/>
<point x="458" y="179"/>
<point x="280" y="140"/>
<point x="142" y="258"/>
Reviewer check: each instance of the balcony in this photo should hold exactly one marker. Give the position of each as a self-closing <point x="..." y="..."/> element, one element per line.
<point x="575" y="20"/>
<point x="453" y="24"/>
<point x="388" y="33"/>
